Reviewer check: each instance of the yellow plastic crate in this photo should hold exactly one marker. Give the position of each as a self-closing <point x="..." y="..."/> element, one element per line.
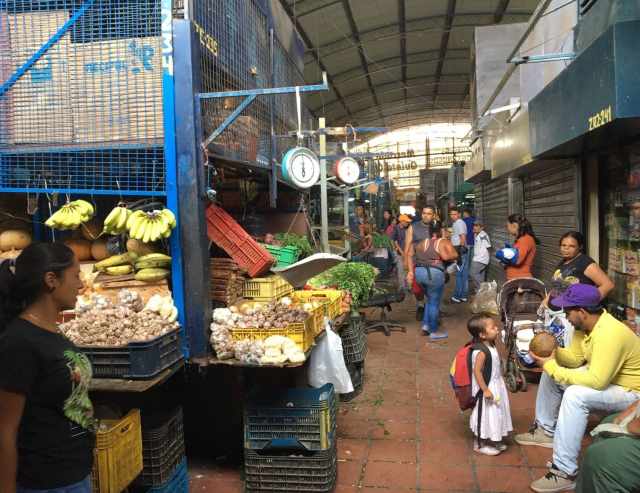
<point x="301" y="333"/>
<point x="118" y="453"/>
<point x="332" y="299"/>
<point x="266" y="288"/>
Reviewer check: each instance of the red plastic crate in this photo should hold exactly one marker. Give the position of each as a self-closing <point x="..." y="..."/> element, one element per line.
<point x="225" y="232"/>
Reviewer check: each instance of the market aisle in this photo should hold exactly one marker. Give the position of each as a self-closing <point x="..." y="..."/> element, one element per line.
<point x="405" y="432"/>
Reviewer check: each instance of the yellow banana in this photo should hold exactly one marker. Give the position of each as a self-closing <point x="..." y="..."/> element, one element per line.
<point x="155" y="256"/>
<point x="110" y="220"/>
<point x="147" y="230"/>
<point x="171" y="218"/>
<point x="120" y="270"/>
<point x="152" y="275"/>
<point x="85" y="207"/>
<point x="122" y="220"/>
<point x="116" y="260"/>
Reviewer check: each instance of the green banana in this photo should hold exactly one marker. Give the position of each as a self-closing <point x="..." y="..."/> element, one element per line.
<point x="152" y="264"/>
<point x="152" y="275"/>
<point x="154" y="256"/>
<point x="120" y="270"/>
<point x="116" y="260"/>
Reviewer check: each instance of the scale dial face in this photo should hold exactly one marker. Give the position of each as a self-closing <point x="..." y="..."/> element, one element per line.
<point x="302" y="167"/>
<point x="348" y="170"/>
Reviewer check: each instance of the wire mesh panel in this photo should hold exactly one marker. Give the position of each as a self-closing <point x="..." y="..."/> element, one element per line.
<point x="234" y="38"/>
<point x="90" y="104"/>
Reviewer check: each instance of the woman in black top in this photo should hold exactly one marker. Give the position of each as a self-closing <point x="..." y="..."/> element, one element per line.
<point x="577" y="267"/>
<point x="47" y="429"/>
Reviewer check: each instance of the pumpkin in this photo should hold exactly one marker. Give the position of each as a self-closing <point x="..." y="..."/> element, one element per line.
<point x="99" y="250"/>
<point x="91" y="230"/>
<point x="81" y="249"/>
<point x="140" y="248"/>
<point x="543" y="344"/>
<point x="14" y="239"/>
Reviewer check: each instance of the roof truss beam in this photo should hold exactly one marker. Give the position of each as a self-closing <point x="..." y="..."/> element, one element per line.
<point x="402" y="19"/>
<point x="444" y="43"/>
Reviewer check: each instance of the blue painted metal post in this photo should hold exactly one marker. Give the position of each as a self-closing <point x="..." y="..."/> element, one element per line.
<point x="168" y="107"/>
<point x="191" y="185"/>
<point x="273" y="183"/>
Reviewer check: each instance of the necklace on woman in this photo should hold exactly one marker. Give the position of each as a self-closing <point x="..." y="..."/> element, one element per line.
<point x="35" y="320"/>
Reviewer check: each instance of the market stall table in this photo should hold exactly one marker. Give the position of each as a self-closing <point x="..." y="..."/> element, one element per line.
<point x="119" y="385"/>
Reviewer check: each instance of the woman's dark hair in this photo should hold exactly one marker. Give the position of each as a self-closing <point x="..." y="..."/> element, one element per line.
<point x="576" y="235"/>
<point x="436" y="229"/>
<point x="524" y="226"/>
<point x="23" y="283"/>
<point x="475" y="325"/>
<point x="390" y="220"/>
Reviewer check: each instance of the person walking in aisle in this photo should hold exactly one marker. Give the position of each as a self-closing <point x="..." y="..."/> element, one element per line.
<point x="469" y="220"/>
<point x="419" y="230"/>
<point x="481" y="258"/>
<point x="430" y="256"/>
<point x="520" y="228"/>
<point x="398" y="238"/>
<point x="47" y="428"/>
<point x="459" y="241"/>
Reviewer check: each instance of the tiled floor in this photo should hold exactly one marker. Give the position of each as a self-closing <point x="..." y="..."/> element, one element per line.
<point x="405" y="431"/>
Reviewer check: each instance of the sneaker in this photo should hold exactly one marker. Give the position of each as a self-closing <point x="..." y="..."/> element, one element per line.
<point x="425" y="330"/>
<point x="437" y="336"/>
<point x="486" y="450"/>
<point x="463" y="300"/>
<point x="501" y="446"/>
<point x="554" y="481"/>
<point x="455" y="300"/>
<point x="535" y="436"/>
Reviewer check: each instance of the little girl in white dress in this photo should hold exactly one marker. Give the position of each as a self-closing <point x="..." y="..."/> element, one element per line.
<point x="495" y="419"/>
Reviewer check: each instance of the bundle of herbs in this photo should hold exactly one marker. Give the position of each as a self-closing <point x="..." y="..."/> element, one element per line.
<point x="356" y="278"/>
<point x="382" y="241"/>
<point x="296" y="241"/>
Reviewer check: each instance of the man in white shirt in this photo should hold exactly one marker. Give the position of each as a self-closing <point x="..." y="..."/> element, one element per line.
<point x="481" y="257"/>
<point x="459" y="241"/>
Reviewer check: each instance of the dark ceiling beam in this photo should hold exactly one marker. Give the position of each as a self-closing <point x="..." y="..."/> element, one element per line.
<point x="355" y="34"/>
<point x="402" y="27"/>
<point x="420" y="118"/>
<point x="310" y="46"/>
<point x="315" y="9"/>
<point x="467" y="92"/>
<point x="402" y="108"/>
<point x="500" y="11"/>
<point x="444" y="43"/>
<point x="383" y="68"/>
<point x="338" y="44"/>
<point x="356" y="97"/>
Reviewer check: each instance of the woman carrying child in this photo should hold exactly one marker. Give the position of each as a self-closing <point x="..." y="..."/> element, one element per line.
<point x="491" y="413"/>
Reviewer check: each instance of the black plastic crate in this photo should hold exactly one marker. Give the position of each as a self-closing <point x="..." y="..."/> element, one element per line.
<point x="163" y="448"/>
<point x="291" y="472"/>
<point x="356" y="372"/>
<point x="136" y="361"/>
<point x="354" y="341"/>
<point x="291" y="419"/>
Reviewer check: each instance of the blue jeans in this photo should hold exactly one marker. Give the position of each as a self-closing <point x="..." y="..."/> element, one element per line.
<point x="433" y="289"/>
<point x="83" y="486"/>
<point x="462" y="278"/>
<point x="564" y="411"/>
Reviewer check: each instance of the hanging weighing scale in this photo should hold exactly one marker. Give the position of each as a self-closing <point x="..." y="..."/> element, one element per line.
<point x="347" y="170"/>
<point x="301" y="165"/>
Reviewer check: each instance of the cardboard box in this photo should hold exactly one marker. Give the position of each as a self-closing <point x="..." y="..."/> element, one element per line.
<point x="116" y="90"/>
<point x="38" y="105"/>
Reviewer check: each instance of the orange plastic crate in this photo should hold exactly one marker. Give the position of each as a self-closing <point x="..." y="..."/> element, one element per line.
<point x="225" y="232"/>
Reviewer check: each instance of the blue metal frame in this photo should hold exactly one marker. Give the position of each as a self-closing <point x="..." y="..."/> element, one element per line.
<point x="78" y="191"/>
<point x="15" y="77"/>
<point x="250" y="95"/>
<point x="170" y="156"/>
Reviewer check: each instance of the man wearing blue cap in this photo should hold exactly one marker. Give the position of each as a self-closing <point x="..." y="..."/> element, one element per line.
<point x="599" y="371"/>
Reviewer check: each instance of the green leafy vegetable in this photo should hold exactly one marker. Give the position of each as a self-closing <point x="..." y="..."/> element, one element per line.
<point x="382" y="241"/>
<point x="297" y="241"/>
<point x="355" y="277"/>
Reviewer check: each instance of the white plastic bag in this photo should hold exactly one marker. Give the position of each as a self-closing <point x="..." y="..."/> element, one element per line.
<point x="327" y="364"/>
<point x="485" y="299"/>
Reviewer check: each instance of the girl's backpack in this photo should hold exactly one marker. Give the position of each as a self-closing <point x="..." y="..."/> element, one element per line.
<point x="461" y="370"/>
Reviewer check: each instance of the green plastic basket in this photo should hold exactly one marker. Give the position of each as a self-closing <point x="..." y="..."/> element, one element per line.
<point x="284" y="255"/>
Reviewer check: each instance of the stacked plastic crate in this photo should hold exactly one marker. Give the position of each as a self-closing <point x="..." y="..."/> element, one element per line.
<point x="354" y="346"/>
<point x="163" y="453"/>
<point x="290" y="440"/>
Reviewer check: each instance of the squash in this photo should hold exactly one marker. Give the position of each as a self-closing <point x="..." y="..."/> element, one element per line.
<point x="543" y="344"/>
<point x="91" y="230"/>
<point x="99" y="250"/>
<point x="81" y="248"/>
<point x="140" y="248"/>
<point x="14" y="239"/>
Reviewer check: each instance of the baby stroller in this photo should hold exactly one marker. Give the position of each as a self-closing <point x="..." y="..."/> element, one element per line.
<point x="518" y="302"/>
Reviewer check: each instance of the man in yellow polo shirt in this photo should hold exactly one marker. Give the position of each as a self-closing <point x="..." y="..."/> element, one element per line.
<point x="599" y="371"/>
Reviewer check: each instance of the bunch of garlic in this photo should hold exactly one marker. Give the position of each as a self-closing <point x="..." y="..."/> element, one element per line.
<point x="248" y="351"/>
<point x="162" y="305"/>
<point x="280" y="349"/>
<point x="221" y="341"/>
<point x="130" y="299"/>
<point x="85" y="303"/>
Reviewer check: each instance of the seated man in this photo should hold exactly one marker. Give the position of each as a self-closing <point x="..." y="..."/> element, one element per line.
<point x="599" y="371"/>
<point x="610" y="465"/>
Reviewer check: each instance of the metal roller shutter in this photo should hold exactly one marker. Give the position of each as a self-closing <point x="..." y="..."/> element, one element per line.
<point x="494" y="212"/>
<point x="552" y="203"/>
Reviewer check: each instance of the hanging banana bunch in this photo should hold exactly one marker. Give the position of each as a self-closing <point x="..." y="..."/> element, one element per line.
<point x="116" y="222"/>
<point x="151" y="226"/>
<point x="71" y="215"/>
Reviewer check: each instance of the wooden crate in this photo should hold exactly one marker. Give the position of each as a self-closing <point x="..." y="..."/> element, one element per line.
<point x="38" y="105"/>
<point x="116" y="90"/>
